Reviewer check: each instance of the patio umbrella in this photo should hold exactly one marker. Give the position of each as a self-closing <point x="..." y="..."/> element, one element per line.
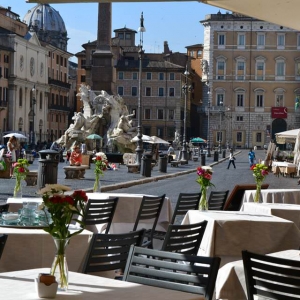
<point x="94" y="137"/>
<point x="145" y="138"/>
<point x="157" y="140"/>
<point x="198" y="140"/>
<point x="17" y="135"/>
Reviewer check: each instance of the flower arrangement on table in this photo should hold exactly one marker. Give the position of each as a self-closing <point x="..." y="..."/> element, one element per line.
<point x="101" y="164"/>
<point x="204" y="179"/>
<point x="20" y="172"/>
<point x="260" y="171"/>
<point x="60" y="211"/>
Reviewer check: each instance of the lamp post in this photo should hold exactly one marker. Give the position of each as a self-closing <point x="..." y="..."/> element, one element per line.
<point x="139" y="148"/>
<point x="185" y="89"/>
<point x="221" y="104"/>
<point x="33" y="102"/>
<point x="208" y="127"/>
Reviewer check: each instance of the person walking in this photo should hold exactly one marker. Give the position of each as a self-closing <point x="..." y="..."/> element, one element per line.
<point x="11" y="147"/>
<point x="251" y="156"/>
<point x="231" y="159"/>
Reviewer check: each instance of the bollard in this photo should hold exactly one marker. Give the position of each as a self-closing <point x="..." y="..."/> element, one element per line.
<point x="146" y="165"/>
<point x="162" y="163"/>
<point x="224" y="154"/>
<point x="47" y="171"/>
<point x="203" y="159"/>
<point x="216" y="156"/>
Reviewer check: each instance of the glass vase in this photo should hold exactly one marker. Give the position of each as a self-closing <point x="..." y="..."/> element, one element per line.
<point x="257" y="196"/>
<point x="59" y="266"/>
<point x="203" y="204"/>
<point x="18" y="189"/>
<point x="97" y="186"/>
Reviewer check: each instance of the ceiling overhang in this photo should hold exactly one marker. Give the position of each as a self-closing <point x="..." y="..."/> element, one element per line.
<point x="281" y="12"/>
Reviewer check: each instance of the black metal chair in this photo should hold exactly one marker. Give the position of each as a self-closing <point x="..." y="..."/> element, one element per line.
<point x="150" y="209"/>
<point x="271" y="277"/>
<point x="185" y="202"/>
<point x="217" y="199"/>
<point x="175" y="271"/>
<point x="3" y="238"/>
<point x="184" y="238"/>
<point x="110" y="251"/>
<point x="4" y="208"/>
<point x="100" y="212"/>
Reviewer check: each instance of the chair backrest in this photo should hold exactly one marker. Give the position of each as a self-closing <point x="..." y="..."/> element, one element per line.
<point x="271" y="277"/>
<point x="150" y="209"/>
<point x="217" y="199"/>
<point x="100" y="212"/>
<point x="235" y="199"/>
<point x="184" y="238"/>
<point x="186" y="202"/>
<point x="4" y="208"/>
<point x="175" y="271"/>
<point x="3" y="238"/>
<point x="110" y="251"/>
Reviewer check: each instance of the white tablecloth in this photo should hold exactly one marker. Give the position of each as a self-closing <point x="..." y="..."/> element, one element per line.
<point x="291" y="196"/>
<point x="20" y="285"/>
<point x="127" y="210"/>
<point x="228" y="233"/>
<point x="16" y="203"/>
<point x="231" y="283"/>
<point x="289" y="212"/>
<point x="34" y="248"/>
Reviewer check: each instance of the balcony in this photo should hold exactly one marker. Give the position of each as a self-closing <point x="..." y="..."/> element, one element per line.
<point x="3" y="104"/>
<point x="59" y="107"/>
<point x="59" y="83"/>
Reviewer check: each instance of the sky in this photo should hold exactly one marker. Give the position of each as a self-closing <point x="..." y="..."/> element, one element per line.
<point x="178" y="23"/>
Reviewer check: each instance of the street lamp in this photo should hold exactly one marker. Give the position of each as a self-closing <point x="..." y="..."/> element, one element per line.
<point x="33" y="102"/>
<point x="139" y="148"/>
<point x="208" y="127"/>
<point x="185" y="90"/>
<point x="220" y="104"/>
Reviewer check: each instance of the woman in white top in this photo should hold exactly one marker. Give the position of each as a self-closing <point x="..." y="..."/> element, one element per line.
<point x="11" y="147"/>
<point x="231" y="159"/>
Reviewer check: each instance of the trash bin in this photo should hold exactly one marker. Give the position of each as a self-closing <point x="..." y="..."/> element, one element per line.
<point x="30" y="158"/>
<point x="146" y="165"/>
<point x="224" y="154"/>
<point x="48" y="167"/>
<point x="162" y="163"/>
<point x="202" y="159"/>
<point x="216" y="156"/>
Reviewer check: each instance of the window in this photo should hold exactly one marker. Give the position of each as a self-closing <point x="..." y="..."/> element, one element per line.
<point x="280" y="69"/>
<point x="239" y="118"/>
<point x="240" y="70"/>
<point x="259" y="100"/>
<point x="279" y="98"/>
<point x="221" y="40"/>
<point x="160" y="114"/>
<point x="240" y="99"/>
<point x="148" y="91"/>
<point x="149" y="76"/>
<point x="192" y="53"/>
<point x="172" y="76"/>
<point x="41" y="100"/>
<point x="241" y="41"/>
<point x="82" y="78"/>
<point x="280" y="41"/>
<point x="20" y="97"/>
<point x="120" y="75"/>
<point x="120" y="90"/>
<point x="260" y="70"/>
<point x="199" y="54"/>
<point x="220" y="99"/>
<point x="171" y="92"/>
<point x="298" y="41"/>
<point x="134" y="75"/>
<point x="161" y="76"/>
<point x="220" y="69"/>
<point x="219" y="136"/>
<point x="171" y="114"/>
<point x="239" y="137"/>
<point x="5" y="94"/>
<point x="160" y="132"/>
<point x="297" y="67"/>
<point x="134" y="91"/>
<point x="258" y="137"/>
<point x="121" y="35"/>
<point x="147" y="114"/>
<point x="260" y="40"/>
<point x="160" y="92"/>
<point x="127" y="36"/>
<point x="5" y="72"/>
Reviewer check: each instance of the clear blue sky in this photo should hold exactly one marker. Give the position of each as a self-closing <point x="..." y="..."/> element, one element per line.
<point x="175" y="22"/>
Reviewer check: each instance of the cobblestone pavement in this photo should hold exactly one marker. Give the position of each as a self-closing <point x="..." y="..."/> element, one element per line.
<point x="122" y="181"/>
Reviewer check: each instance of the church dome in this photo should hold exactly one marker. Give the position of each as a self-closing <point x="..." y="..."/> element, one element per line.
<point x="48" y="25"/>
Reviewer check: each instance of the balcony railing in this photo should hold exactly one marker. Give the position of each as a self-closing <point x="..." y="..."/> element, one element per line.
<point x="59" y="107"/>
<point x="59" y="83"/>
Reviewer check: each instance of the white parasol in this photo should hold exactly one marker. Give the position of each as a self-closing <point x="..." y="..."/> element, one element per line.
<point x="145" y="138"/>
<point x="17" y="135"/>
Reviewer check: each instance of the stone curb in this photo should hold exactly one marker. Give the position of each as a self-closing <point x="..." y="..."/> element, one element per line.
<point x="127" y="184"/>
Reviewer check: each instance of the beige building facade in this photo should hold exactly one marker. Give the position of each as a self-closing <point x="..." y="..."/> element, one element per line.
<point x="251" y="76"/>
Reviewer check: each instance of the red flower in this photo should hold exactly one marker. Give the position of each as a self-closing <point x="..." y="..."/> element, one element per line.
<point x="21" y="170"/>
<point x="80" y="195"/>
<point x="98" y="158"/>
<point x="69" y="199"/>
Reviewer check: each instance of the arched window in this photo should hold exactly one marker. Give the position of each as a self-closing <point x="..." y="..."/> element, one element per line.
<point x="20" y="97"/>
<point x="41" y="100"/>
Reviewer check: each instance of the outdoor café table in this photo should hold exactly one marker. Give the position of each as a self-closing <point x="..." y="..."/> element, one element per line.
<point x="16" y="203"/>
<point x="127" y="210"/>
<point x="231" y="284"/>
<point x="290" y="196"/>
<point x="289" y="212"/>
<point x="20" y="285"/>
<point x="34" y="248"/>
<point x="284" y="168"/>
<point x="229" y="232"/>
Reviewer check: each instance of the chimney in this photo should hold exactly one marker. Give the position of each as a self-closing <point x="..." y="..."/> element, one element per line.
<point x="166" y="48"/>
